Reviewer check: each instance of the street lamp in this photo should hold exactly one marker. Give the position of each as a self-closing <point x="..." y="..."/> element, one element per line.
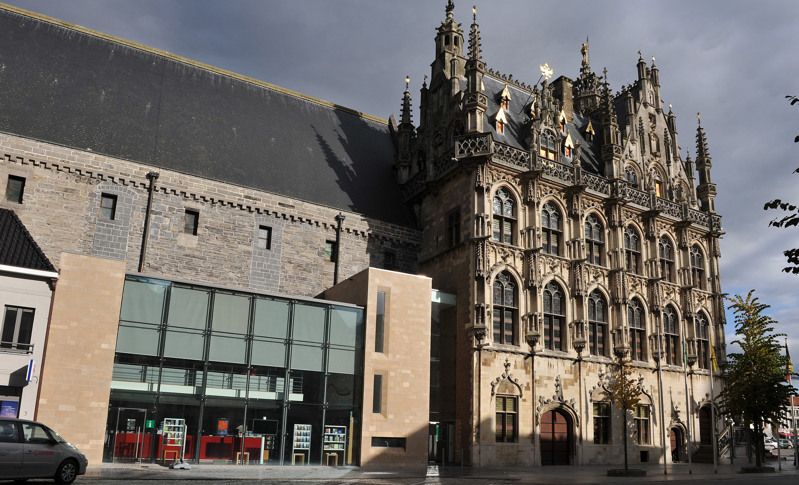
<point x="532" y="337"/>
<point x="656" y="342"/>
<point x="621" y="350"/>
<point x="690" y="360"/>
<point x="579" y="345"/>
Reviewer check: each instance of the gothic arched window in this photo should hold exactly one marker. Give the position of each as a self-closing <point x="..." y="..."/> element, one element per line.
<point x="597" y="324"/>
<point x="631" y="177"/>
<point x="697" y="267"/>
<point x="554" y="317"/>
<point x="546" y="146"/>
<point x="637" y="325"/>
<point x="702" y="341"/>
<point x="671" y="335"/>
<point x="594" y="239"/>
<point x="632" y="250"/>
<point x="504" y="216"/>
<point x="551" y="233"/>
<point x="505" y="309"/>
<point x="666" y="255"/>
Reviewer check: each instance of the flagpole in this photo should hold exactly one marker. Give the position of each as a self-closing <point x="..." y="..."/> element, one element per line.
<point x="713" y="409"/>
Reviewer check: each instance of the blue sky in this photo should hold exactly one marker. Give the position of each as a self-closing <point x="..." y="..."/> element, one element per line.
<point x="733" y="61"/>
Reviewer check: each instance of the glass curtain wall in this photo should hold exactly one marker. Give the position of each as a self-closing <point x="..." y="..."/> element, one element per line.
<point x="217" y="376"/>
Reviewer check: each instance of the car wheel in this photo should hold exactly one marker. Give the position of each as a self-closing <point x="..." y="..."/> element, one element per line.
<point x="67" y="472"/>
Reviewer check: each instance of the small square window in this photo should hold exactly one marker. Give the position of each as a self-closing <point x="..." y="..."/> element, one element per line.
<point x="15" y="189"/>
<point x="264" y="237"/>
<point x="191" y="222"/>
<point x="108" y="206"/>
<point x="330" y="250"/>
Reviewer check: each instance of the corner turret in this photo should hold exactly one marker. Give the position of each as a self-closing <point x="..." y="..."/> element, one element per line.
<point x="706" y="191"/>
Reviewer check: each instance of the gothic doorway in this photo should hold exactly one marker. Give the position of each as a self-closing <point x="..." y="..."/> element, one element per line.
<point x="556" y="438"/>
<point x="705" y="426"/>
<point x="677" y="444"/>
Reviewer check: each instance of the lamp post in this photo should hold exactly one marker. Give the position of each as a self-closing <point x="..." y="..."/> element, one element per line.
<point x="690" y="360"/>
<point x="532" y="337"/>
<point x="479" y="332"/>
<point x="579" y="346"/>
<point x="621" y="350"/>
<point x="658" y="354"/>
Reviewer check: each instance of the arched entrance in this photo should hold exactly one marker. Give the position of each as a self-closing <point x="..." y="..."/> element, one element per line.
<point x="677" y="444"/>
<point x="705" y="426"/>
<point x="556" y="438"/>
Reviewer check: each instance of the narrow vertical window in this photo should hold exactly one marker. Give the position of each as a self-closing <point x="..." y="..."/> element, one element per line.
<point x="642" y="417"/>
<point x="632" y="250"/>
<point x="17" y="328"/>
<point x="597" y="324"/>
<point x="666" y="250"/>
<point x="671" y="334"/>
<point x="264" y="237"/>
<point x="551" y="233"/>
<point x="601" y="423"/>
<point x="191" y="221"/>
<point x="15" y="189"/>
<point x="697" y="267"/>
<point x="594" y="239"/>
<point x="330" y="251"/>
<point x="702" y="341"/>
<point x="554" y="317"/>
<point x="505" y="310"/>
<point x="377" y="394"/>
<point x="108" y="206"/>
<point x="454" y="228"/>
<point x="380" y="321"/>
<point x="637" y="327"/>
<point x="504" y="208"/>
<point x="506" y="419"/>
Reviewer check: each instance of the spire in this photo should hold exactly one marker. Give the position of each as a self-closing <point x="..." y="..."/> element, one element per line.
<point x="475" y="46"/>
<point x="702" y="149"/>
<point x="405" y="117"/>
<point x="586" y="87"/>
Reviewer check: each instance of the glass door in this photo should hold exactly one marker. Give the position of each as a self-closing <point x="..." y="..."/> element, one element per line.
<point x="128" y="438"/>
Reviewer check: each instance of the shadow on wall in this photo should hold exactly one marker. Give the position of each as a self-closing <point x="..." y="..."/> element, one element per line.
<point x="413" y="456"/>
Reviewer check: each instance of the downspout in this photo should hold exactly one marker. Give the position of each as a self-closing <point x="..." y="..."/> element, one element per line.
<point x="339" y="220"/>
<point x="152" y="177"/>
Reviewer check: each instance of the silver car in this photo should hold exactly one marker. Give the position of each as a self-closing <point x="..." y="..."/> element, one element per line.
<point x="32" y="450"/>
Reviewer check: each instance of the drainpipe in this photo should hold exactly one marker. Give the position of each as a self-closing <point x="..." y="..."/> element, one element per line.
<point x="152" y="177"/>
<point x="339" y="220"/>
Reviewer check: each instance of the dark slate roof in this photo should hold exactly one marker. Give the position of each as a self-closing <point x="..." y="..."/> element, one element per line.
<point x="17" y="247"/>
<point x="71" y="86"/>
<point x="516" y="132"/>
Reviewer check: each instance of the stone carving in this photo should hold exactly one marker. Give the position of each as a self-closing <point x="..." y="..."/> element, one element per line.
<point x="506" y="376"/>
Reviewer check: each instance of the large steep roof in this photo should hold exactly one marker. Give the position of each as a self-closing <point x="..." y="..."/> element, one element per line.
<point x="17" y="247"/>
<point x="70" y="86"/>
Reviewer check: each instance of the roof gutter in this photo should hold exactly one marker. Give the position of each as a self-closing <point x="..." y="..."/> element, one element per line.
<point x="28" y="272"/>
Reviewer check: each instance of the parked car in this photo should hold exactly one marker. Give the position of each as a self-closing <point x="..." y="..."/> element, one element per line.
<point x="32" y="450"/>
<point x="770" y="444"/>
<point x="785" y="443"/>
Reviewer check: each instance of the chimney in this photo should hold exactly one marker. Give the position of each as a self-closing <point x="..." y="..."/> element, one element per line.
<point x="563" y="92"/>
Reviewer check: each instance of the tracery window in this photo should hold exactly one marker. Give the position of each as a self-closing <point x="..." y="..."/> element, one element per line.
<point x="594" y="239"/>
<point x="554" y="317"/>
<point x="637" y="328"/>
<point x="702" y="341"/>
<point x="698" y="267"/>
<point x="597" y="324"/>
<point x="551" y="232"/>
<point x="505" y="309"/>
<point x="632" y="250"/>
<point x="671" y="336"/>
<point x="504" y="209"/>
<point x="666" y="253"/>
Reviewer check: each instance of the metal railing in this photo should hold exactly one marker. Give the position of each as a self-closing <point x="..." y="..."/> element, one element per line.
<point x="16" y="347"/>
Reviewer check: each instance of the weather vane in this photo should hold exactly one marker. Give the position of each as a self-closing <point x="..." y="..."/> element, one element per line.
<point x="546" y="71"/>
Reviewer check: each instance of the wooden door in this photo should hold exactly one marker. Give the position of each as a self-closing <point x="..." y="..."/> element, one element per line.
<point x="556" y="438"/>
<point x="705" y="426"/>
<point x="675" y="444"/>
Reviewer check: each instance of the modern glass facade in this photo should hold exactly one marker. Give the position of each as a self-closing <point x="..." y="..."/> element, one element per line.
<point x="221" y="376"/>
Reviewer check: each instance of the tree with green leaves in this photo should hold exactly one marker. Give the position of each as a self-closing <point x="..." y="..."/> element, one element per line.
<point x="625" y="393"/>
<point x="755" y="391"/>
<point x="790" y="215"/>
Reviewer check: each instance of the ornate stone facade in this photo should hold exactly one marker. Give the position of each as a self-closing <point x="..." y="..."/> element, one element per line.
<point x="584" y="233"/>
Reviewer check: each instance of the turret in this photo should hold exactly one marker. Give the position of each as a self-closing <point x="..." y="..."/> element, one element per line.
<point x="689" y="173"/>
<point x="476" y="101"/>
<point x="586" y="87"/>
<point x="706" y="191"/>
<point x="449" y="51"/>
<point x="654" y="75"/>
<point x="643" y="80"/>
<point x="611" y="145"/>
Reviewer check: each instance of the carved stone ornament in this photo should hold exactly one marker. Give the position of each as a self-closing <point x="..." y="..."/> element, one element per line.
<point x="506" y="376"/>
<point x="480" y="270"/>
<point x="558" y="400"/>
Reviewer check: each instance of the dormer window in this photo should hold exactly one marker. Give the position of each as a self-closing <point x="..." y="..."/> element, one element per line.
<point x="500" y="127"/>
<point x="501" y="121"/>
<point x="504" y="99"/>
<point x="562" y="123"/>
<point x="505" y="104"/>
<point x="589" y="132"/>
<point x="568" y="146"/>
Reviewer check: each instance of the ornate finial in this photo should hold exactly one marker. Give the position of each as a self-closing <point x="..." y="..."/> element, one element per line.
<point x="475" y="47"/>
<point x="699" y="118"/>
<point x="546" y="71"/>
<point x="584" y="52"/>
<point x="507" y="366"/>
<point x="474" y="13"/>
<point x="407" y="82"/>
<point x="669" y="106"/>
<point x="653" y="60"/>
<point x="640" y="57"/>
<point x="449" y="9"/>
<point x="424" y="81"/>
<point x="605" y="74"/>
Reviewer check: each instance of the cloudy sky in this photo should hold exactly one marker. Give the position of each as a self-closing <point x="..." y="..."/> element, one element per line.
<point x="733" y="61"/>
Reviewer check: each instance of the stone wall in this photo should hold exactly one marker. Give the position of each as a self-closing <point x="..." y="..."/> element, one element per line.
<point x="61" y="210"/>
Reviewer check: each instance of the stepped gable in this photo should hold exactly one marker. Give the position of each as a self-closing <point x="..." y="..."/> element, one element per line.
<point x="71" y="86"/>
